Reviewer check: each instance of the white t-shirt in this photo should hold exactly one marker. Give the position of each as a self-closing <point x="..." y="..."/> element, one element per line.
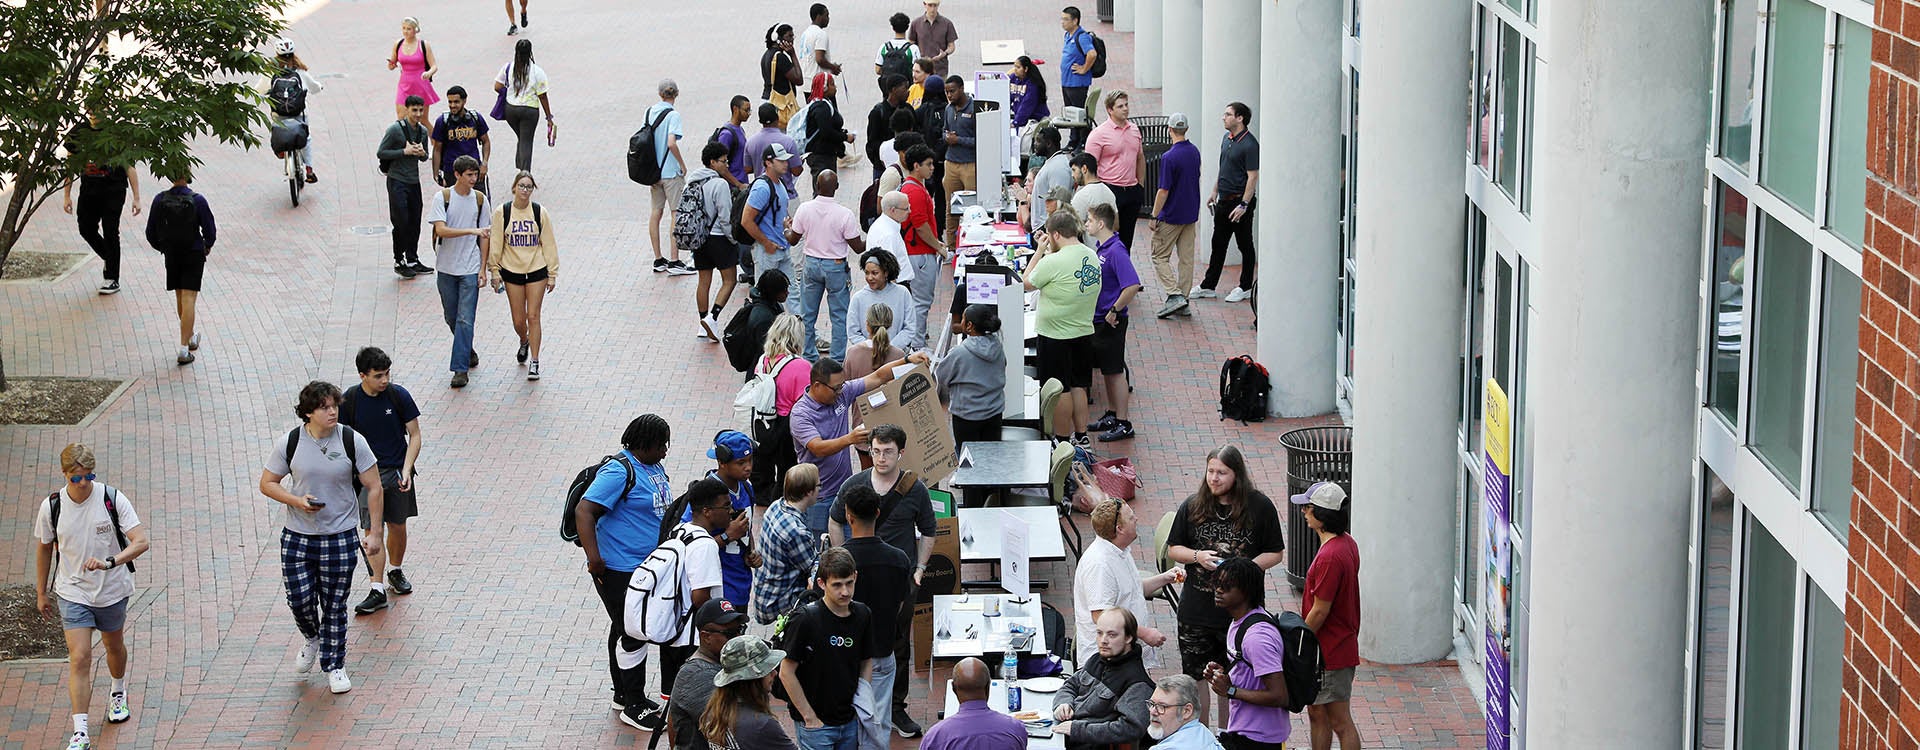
<point x="87" y="531"/>
<point x="814" y="38"/>
<point x="1106" y="578"/>
<point x="458" y="256"/>
<point x="886" y="234"/>
<point x="699" y="569"/>
<point x="528" y="96"/>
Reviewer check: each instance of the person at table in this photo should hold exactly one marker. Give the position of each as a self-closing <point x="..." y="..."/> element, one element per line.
<point x="975" y="726"/>
<point x="1174" y="711"/>
<point x="1067" y="275"/>
<point x="827" y="658"/>
<point x="1225" y="518"/>
<point x="822" y="432"/>
<point x="1106" y="579"/>
<point x="886" y="577"/>
<point x="1105" y="702"/>
<point x="1252" y="682"/>
<point x="973" y="377"/>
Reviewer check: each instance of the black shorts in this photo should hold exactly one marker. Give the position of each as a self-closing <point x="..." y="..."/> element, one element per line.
<point x="1199" y="645"/>
<point x="1110" y="346"/>
<point x="184" y="269"/>
<point x="523" y="279"/>
<point x="718" y="252"/>
<point x="1069" y="360"/>
<point x="396" y="505"/>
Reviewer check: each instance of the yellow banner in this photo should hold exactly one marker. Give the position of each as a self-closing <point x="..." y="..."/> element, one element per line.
<point x="1498" y="430"/>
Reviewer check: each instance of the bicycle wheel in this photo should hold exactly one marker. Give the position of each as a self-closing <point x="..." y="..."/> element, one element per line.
<point x="293" y="179"/>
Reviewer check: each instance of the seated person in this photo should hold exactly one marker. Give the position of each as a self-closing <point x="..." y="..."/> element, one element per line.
<point x="1105" y="703"/>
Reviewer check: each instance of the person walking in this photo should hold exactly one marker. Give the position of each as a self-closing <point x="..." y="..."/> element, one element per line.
<point x="739" y="715"/>
<point x="1105" y="702"/>
<point x="417" y="65"/>
<point x="1067" y="275"/>
<point x="103" y="192"/>
<point x="318" y="542"/>
<point x="780" y="76"/>
<point x="766" y="216"/>
<point x="975" y="726"/>
<point x="460" y="132"/>
<point x="180" y="225"/>
<point x="513" y="28"/>
<point x="1106" y="578"/>
<point x="878" y="270"/>
<point x="90" y="573"/>
<point x="1122" y="158"/>
<point x="1232" y="203"/>
<point x="772" y="132"/>
<point x="619" y="519"/>
<point x="1252" y="680"/>
<point x="886" y="587"/>
<point x="831" y="234"/>
<point x="896" y="55"/>
<point x="715" y="623"/>
<point x="935" y="36"/>
<point x="962" y="171"/>
<point x="815" y="51"/>
<point x="462" y="234"/>
<point x="1332" y="606"/>
<point x="1027" y="92"/>
<point x="1119" y="283"/>
<point x="788" y="551"/>
<point x="827" y="657"/>
<point x="385" y="415"/>
<point x="524" y="260"/>
<point x="716" y="253"/>
<point x="290" y="103"/>
<point x="402" y="149"/>
<point x="1175" y="710"/>
<point x="526" y="86"/>
<point x="781" y="357"/>
<point x="1175" y="217"/>
<point x="1077" y="55"/>
<point x="665" y="194"/>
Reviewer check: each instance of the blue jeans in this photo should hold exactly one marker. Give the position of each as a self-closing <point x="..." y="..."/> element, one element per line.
<point x="928" y="274"/>
<point x="828" y="277"/>
<point x="843" y="737"/>
<point x="459" y="295"/>
<point x="764" y="261"/>
<point x="876" y="710"/>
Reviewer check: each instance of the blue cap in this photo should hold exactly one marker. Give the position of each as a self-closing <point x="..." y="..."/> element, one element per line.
<point x="731" y="445"/>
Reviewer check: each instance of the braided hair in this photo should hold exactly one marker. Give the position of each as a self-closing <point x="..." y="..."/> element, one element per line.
<point x="646" y="431"/>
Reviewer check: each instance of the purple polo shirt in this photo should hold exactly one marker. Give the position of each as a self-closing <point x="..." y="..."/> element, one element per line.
<point x="1116" y="273"/>
<point x="974" y="726"/>
<point x="1262" y="655"/>
<point x="1180" y="177"/>
<point x="812" y="420"/>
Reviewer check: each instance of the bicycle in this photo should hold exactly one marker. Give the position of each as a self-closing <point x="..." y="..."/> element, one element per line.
<point x="296" y="175"/>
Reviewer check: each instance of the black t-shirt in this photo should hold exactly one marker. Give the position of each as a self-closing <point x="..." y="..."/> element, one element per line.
<point x="829" y="650"/>
<point x="103" y="181"/>
<point x="885" y="578"/>
<point x="1259" y="532"/>
<point x="778" y="63"/>
<point x="912" y="511"/>
<point x="382" y="420"/>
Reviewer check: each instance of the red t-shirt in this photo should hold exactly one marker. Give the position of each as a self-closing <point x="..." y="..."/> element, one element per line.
<point x="919" y="214"/>
<point x="1335" y="577"/>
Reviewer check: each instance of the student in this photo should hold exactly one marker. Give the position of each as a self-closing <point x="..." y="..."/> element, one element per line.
<point x="1106" y="578"/>
<point x="402" y="149"/>
<point x="733" y="135"/>
<point x="462" y="237"/>
<point x="958" y="133"/>
<point x="821" y="432"/>
<point x="976" y="726"/>
<point x="91" y="575"/>
<point x="765" y="217"/>
<point x="878" y="268"/>
<point x="460" y="132"/>
<point x="1333" y="612"/>
<point x="739" y="715"/>
<point x="780" y="80"/>
<point x="1118" y="285"/>
<point x="180" y="225"/>
<point x="896" y="55"/>
<point x="716" y="252"/>
<point x="878" y="346"/>
<point x="526" y="86"/>
<point x="788" y="550"/>
<point x="709" y="510"/>
<point x="1227" y="517"/>
<point x="1028" y="93"/>
<point x="1122" y="158"/>
<point x="1105" y="702"/>
<point x="886" y="586"/>
<point x="935" y="36"/>
<point x="1252" y="681"/>
<point x="103" y="192"/>
<point x="828" y="655"/>
<point x="1067" y="275"/>
<point x="291" y="64"/>
<point x="617" y="532"/>
<point x="1089" y="191"/>
<point x="772" y="131"/>
<point x="831" y="234"/>
<point x="417" y="66"/>
<point x="1055" y="171"/>
<point x="893" y="91"/>
<point x="1175" y="710"/>
<point x="973" y="377"/>
<point x="814" y="49"/>
<point x="665" y="193"/>
<point x="1232" y="203"/>
<point x="512" y="28"/>
<point x="790" y="371"/>
<point x="734" y="454"/>
<point x="1176" y="213"/>
<point x="925" y="251"/>
<point x="827" y="135"/>
<point x="385" y="415"/>
<point x="1077" y="55"/>
<point x="317" y="545"/>
<point x="525" y="260"/>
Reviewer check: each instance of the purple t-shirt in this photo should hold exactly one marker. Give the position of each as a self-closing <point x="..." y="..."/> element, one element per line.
<point x="1116" y="274"/>
<point x="461" y="136"/>
<point x="1262" y="655"/>
<point x="812" y="420"/>
<point x="1180" y="177"/>
<point x="734" y="138"/>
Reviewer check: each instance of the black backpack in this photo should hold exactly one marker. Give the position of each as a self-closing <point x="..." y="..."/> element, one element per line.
<point x="1243" y="390"/>
<point x="1301" y="664"/>
<point x="113" y="514"/>
<point x="737" y="338"/>
<point x="346" y="440"/>
<point x="568" y="530"/>
<point x="1099" y="68"/>
<point x="737" y="228"/>
<point x="288" y="96"/>
<point x="896" y="61"/>
<point x="642" y="166"/>
<point x="176" y="221"/>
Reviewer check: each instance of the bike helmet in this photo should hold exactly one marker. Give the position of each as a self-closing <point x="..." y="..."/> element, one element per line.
<point x="283" y="46"/>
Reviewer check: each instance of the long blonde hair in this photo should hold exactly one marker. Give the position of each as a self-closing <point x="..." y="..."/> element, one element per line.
<point x="784" y="337"/>
<point x="879" y="320"/>
<point x="723" y="706"/>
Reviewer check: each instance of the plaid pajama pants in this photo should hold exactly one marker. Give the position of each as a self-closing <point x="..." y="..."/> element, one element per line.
<point x="319" y="574"/>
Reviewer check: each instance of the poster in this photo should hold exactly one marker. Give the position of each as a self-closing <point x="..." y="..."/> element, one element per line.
<point x="1498" y="576"/>
<point x="1013" y="555"/>
<point x="942" y="577"/>
<point x="912" y="401"/>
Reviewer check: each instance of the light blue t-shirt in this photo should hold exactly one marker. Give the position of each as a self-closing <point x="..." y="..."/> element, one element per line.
<point x="670" y="126"/>
<point x="630" y="529"/>
<point x="774" y="219"/>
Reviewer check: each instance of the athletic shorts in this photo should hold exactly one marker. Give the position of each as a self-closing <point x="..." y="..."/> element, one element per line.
<point x="523" y="279"/>
<point x="1110" y="346"/>
<point x="184" y="269"/>
<point x="1069" y="360"/>
<point x="107" y="619"/>
<point x="396" y="505"/>
<point x="1200" y="645"/>
<point x="718" y="252"/>
<point x="1336" y="686"/>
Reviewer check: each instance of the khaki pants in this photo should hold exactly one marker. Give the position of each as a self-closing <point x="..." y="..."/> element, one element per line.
<point x="959" y="177"/>
<point x="1167" y="238"/>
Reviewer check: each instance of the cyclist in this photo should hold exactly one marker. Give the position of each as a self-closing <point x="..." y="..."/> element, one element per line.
<point x="288" y="103"/>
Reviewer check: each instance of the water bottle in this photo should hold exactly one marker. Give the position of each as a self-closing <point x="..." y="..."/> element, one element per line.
<point x="1010" y="674"/>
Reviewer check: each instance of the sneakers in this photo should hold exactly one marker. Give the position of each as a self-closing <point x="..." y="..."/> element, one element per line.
<point x="111" y="287"/>
<point x="404" y="271"/>
<point x="185" y="357"/>
<point x="420" y="268"/>
<point x="80" y="742"/>
<point x="193" y="342"/>
<point x="1104" y="423"/>
<point x="1176" y="304"/>
<point x="676" y="268"/>
<point x="311" y="177"/>
<point x="459" y="380"/>
<point x="523" y="18"/>
<point x="1238" y="295"/>
<point x="303" y="662"/>
<point x="117" y="709"/>
<point x="709" y="329"/>
<point x="376" y="600"/>
<point x="642" y="718"/>
<point x="659" y="265"/>
<point x="337" y="681"/>
<point x="521" y="356"/>
<point x="512" y="29"/>
<point x="1082" y="440"/>
<point x="533" y="369"/>
<point x="473" y="359"/>
<point x="1121" y="430"/>
<point x="1201" y="292"/>
<point x="905" y="724"/>
<point x="399" y="583"/>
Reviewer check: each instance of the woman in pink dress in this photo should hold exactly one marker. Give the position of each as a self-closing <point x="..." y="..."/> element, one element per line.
<point x="415" y="60"/>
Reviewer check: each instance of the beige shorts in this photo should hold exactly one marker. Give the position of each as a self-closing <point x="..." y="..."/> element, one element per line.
<point x="666" y="193"/>
<point x="1336" y="686"/>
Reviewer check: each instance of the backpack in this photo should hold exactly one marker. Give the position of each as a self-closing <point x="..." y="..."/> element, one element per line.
<point x="642" y="166"/>
<point x="480" y="201"/>
<point x="1099" y="67"/>
<point x="690" y="218"/>
<point x="870" y="200"/>
<point x="405" y="127"/>
<point x="113" y="514"/>
<point x="346" y="439"/>
<point x="1086" y="460"/>
<point x="736" y="222"/>
<point x="658" y="605"/>
<point x="797" y="127"/>
<point x="577" y="490"/>
<point x="176" y="221"/>
<point x="737" y="339"/>
<point x="1243" y="390"/>
<point x="1301" y="664"/>
<point x="754" y="404"/>
<point x="286" y="94"/>
<point x="896" y="61"/>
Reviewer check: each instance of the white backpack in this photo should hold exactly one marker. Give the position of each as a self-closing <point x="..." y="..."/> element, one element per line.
<point x="754" y="404"/>
<point x="658" y="604"/>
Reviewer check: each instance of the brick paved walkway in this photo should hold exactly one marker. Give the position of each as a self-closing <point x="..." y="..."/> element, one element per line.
<point x="501" y="645"/>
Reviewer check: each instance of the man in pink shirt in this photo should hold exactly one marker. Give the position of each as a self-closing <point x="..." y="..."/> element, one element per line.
<point x="830" y="231"/>
<point x="1117" y="144"/>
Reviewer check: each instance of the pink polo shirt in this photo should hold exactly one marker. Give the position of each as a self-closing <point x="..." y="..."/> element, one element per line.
<point x="1118" y="149"/>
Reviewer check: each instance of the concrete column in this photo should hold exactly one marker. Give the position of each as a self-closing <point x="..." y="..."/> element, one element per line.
<point x="1413" y="121"/>
<point x="1123" y="15"/>
<point x="1298" y="224"/>
<point x="1229" y="72"/>
<point x="1147" y="21"/>
<point x="1613" y="414"/>
<point x="1179" y="60"/>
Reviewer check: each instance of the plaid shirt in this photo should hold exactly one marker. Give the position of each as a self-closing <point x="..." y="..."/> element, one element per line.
<point x="787" y="554"/>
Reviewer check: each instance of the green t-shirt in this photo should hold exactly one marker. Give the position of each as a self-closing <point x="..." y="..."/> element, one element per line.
<point x="1069" y="284"/>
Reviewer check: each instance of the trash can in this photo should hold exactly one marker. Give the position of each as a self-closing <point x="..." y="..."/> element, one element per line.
<point x="1103" y="9"/>
<point x="1314" y="454"/>
<point x="1154" y="142"/>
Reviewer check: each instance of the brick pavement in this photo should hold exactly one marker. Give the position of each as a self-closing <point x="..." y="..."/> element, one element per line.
<point x="501" y="645"/>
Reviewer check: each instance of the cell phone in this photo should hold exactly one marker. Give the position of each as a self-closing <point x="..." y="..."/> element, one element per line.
<point x="315" y="504"/>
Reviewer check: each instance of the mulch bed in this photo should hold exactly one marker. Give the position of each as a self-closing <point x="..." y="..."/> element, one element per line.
<point x="27" y="265"/>
<point x="31" y="400"/>
<point x="24" y="634"/>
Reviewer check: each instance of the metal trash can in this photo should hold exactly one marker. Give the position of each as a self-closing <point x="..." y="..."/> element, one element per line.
<point x="1314" y="454"/>
<point x="1154" y="142"/>
<point x="1104" y="9"/>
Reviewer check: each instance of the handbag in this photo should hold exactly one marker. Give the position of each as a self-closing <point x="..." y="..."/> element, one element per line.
<point x="788" y="103"/>
<point x="1117" y="478"/>
<point x="500" y="99"/>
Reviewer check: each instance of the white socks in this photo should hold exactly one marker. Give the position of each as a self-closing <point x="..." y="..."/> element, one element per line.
<point x="391" y="569"/>
<point x="119" y="684"/>
<point x="80" y="723"/>
<point x="380" y="587"/>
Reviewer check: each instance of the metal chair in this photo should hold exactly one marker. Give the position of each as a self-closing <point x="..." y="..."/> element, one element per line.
<point x="1160" y="533"/>
<point x="1059" y="465"/>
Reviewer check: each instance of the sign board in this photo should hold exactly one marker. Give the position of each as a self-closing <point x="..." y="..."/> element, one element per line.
<point x="912" y="401"/>
<point x="1014" y="562"/>
<point x="942" y="577"/>
<point x="1499" y="571"/>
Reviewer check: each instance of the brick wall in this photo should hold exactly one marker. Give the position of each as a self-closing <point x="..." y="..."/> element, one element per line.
<point x="1882" y="678"/>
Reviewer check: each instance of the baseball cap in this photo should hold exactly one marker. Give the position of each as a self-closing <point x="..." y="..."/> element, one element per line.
<point x="1177" y="121"/>
<point x="747" y="657"/>
<point x="777" y="152"/>
<point x="1323" y="495"/>
<point x="730" y="445"/>
<point x="716" y="612"/>
<point x="1060" y="194"/>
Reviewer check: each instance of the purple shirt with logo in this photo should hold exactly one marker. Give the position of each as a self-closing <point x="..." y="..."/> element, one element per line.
<point x="1116" y="274"/>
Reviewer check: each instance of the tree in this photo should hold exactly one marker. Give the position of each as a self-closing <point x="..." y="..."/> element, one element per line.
<point x="188" y="76"/>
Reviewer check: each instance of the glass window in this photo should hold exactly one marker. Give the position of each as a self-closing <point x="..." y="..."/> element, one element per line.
<point x="1513" y="54"/>
<point x="1847" y="164"/>
<point x="1736" y="80"/>
<point x="1839" y="359"/>
<point x="1789" y="155"/>
<point x="1729" y="310"/>
<point x="1483" y="109"/>
<point x="1766" y="646"/>
<point x="1473" y="391"/>
<point x="1820" y="695"/>
<point x="1503" y="325"/>
<point x="1779" y="395"/>
<point x="1715" y="622"/>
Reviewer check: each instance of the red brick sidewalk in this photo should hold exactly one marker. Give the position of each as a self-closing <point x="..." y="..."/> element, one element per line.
<point x="501" y="646"/>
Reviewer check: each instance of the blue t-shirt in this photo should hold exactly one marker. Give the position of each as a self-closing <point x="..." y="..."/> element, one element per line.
<point x="382" y="420"/>
<point x="664" y="127"/>
<point x="631" y="527"/>
<point x="1074" y="47"/>
<point x="772" y="220"/>
<point x="736" y="579"/>
<point x="1180" y="177"/>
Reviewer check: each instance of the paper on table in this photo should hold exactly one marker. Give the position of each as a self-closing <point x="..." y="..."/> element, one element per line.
<point x="1013" y="554"/>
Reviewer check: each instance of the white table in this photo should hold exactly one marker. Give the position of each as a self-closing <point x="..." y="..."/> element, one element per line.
<point x="969" y="632"/>
<point x="1029" y="701"/>
<point x="980" y="532"/>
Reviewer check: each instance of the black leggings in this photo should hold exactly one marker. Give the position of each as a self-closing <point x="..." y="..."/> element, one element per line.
<point x="770" y="474"/>
<point x="523" y="120"/>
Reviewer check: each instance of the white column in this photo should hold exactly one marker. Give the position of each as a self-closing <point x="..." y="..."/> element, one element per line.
<point x="1413" y="120"/>
<point x="1230" y="72"/>
<point x="1298" y="224"/>
<point x="1146" y="43"/>
<point x="1179" y="60"/>
<point x="1123" y="18"/>
<point x="1618" y="302"/>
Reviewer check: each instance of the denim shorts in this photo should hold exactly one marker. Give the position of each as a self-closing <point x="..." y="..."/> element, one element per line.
<point x="107" y="619"/>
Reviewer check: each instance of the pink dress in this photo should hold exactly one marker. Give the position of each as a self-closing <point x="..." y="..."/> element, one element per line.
<point x="411" y="66"/>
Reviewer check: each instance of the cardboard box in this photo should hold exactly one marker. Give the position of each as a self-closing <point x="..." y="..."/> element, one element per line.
<point x="942" y="577"/>
<point x="912" y="401"/>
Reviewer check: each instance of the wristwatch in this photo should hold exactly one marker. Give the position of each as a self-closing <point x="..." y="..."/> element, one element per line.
<point x="1232" y="689"/>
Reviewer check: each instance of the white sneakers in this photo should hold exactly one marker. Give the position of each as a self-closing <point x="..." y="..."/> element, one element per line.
<point x="309" y="652"/>
<point x="1200" y="292"/>
<point x="337" y="681"/>
<point x="1238" y="295"/>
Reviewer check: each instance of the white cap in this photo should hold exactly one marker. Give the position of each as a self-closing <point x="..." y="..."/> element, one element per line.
<point x="1323" y="495"/>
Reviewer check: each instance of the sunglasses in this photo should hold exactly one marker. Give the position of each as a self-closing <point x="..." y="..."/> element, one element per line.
<point x="78" y="478"/>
